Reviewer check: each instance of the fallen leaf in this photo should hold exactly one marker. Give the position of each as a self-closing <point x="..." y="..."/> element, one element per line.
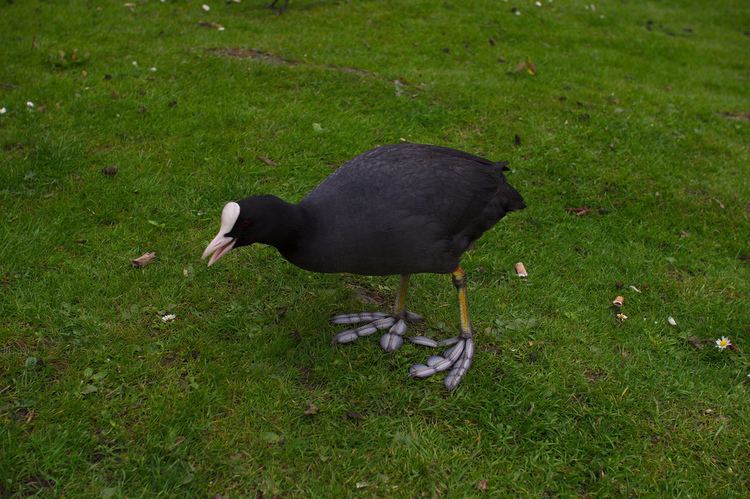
<point x="354" y="415"/>
<point x="110" y="170"/>
<point x="317" y="127"/>
<point x="482" y="485"/>
<point x="579" y="211"/>
<point x="521" y="270"/>
<point x="311" y="410"/>
<point x="270" y="437"/>
<point x="266" y="160"/>
<point x="88" y="389"/>
<point x="697" y="342"/>
<point x="634" y="288"/>
<point x="143" y="260"/>
<point x="526" y="65"/>
<point x="208" y="24"/>
<point x="671" y="321"/>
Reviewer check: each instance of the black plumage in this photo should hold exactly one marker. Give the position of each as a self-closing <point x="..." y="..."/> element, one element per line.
<point x="396" y="209"/>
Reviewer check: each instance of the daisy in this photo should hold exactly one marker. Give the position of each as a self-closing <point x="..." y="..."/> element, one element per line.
<point x="723" y="342"/>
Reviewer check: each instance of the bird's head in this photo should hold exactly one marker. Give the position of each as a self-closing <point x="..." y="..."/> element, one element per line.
<point x="257" y="219"/>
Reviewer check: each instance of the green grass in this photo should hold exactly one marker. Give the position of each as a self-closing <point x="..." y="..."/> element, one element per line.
<point x="624" y="116"/>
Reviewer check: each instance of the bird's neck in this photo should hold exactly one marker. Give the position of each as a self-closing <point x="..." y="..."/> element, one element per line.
<point x="285" y="234"/>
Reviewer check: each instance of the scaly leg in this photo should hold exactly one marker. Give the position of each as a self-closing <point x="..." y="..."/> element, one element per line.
<point x="458" y="357"/>
<point x="395" y="323"/>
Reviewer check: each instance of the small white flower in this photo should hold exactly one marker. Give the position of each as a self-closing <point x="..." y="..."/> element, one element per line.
<point x="29" y="104"/>
<point x="220" y="28"/>
<point x="723" y="342"/>
<point x="168" y="318"/>
<point x="518" y="12"/>
<point x="135" y="63"/>
<point x="152" y="69"/>
<point x="538" y="3"/>
<point x="205" y="7"/>
<point x="3" y="110"/>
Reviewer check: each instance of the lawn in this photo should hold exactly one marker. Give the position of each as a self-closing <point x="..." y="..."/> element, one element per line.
<point x="635" y="113"/>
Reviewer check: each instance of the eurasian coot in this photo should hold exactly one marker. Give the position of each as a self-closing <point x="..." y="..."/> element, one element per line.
<point x="397" y="209"/>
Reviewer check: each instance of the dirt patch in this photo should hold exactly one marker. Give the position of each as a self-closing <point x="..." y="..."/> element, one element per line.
<point x="736" y="116"/>
<point x="368" y="295"/>
<point x="258" y="55"/>
<point x="271" y="58"/>
<point x="595" y="375"/>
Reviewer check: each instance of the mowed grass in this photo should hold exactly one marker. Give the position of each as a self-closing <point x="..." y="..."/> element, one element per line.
<point x="626" y="115"/>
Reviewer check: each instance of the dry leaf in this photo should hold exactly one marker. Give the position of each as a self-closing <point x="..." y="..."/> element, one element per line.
<point x="579" y="211"/>
<point x="143" y="260"/>
<point x="737" y="116"/>
<point x="266" y="160"/>
<point x="110" y="170"/>
<point x="482" y="485"/>
<point x="208" y="24"/>
<point x="697" y="342"/>
<point x="311" y="410"/>
<point x="526" y="65"/>
<point x="521" y="270"/>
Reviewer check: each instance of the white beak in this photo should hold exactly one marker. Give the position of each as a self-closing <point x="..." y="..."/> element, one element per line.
<point x="221" y="244"/>
<point x="217" y="248"/>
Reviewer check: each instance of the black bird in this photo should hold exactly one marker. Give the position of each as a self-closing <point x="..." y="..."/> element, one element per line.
<point x="396" y="209"/>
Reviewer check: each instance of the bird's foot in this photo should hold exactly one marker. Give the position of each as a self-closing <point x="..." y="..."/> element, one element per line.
<point x="457" y="358"/>
<point x="395" y="324"/>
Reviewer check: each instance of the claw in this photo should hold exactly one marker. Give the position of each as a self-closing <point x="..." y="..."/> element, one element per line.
<point x="412" y="317"/>
<point x="399" y="328"/>
<point x="391" y="342"/>
<point x="355" y="318"/>
<point x="448" y="341"/>
<point x="434" y="359"/>
<point x="439" y="363"/>
<point x="365" y="330"/>
<point x="454" y="352"/>
<point x="424" y="341"/>
<point x="346" y="336"/>
<point x="383" y="323"/>
<point x="456" y="374"/>
<point x="421" y="371"/>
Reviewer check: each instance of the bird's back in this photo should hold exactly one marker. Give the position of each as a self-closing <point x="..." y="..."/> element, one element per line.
<point x="403" y="208"/>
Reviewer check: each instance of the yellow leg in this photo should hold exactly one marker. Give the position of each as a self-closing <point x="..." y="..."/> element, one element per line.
<point x="400" y="305"/>
<point x="459" y="280"/>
